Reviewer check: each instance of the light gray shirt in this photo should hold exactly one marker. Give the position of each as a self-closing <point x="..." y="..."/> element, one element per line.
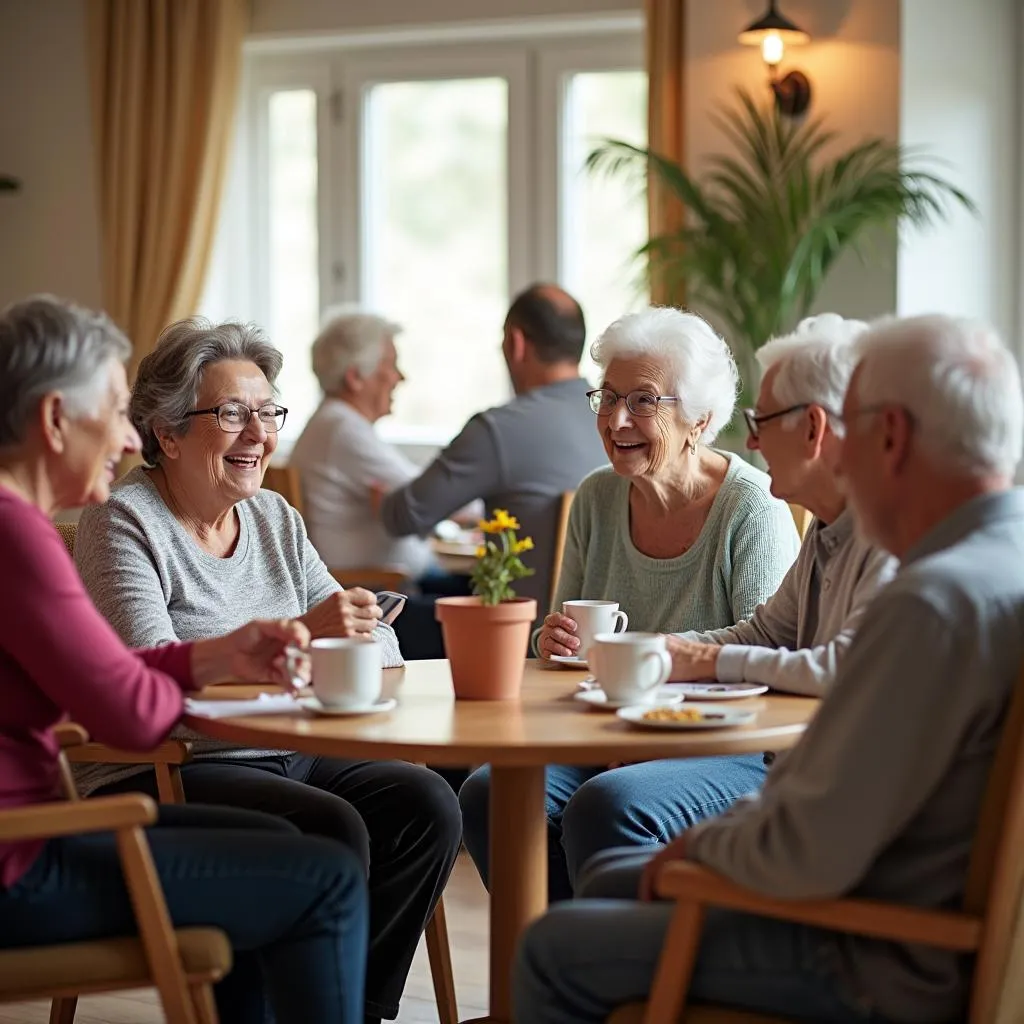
<point x="521" y="456"/>
<point x="155" y="585"/>
<point x="797" y="638"/>
<point x="880" y="797"/>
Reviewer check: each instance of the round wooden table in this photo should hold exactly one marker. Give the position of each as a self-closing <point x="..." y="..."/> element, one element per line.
<point x="517" y="738"/>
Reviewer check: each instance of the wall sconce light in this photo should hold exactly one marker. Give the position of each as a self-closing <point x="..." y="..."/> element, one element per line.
<point x="772" y="32"/>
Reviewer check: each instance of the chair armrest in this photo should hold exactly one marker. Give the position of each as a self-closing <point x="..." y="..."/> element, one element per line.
<point x="687" y="882"/>
<point x="65" y="818"/>
<point x="70" y="734"/>
<point x="168" y="752"/>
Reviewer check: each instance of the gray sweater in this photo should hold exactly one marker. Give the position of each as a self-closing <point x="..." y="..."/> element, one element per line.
<point x="738" y="561"/>
<point x="880" y="797"/>
<point x="521" y="456"/>
<point x="797" y="638"/>
<point x="155" y="585"/>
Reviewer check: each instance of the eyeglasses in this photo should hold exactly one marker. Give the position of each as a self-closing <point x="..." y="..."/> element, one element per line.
<point x="233" y="417"/>
<point x="639" y="403"/>
<point x="754" y="421"/>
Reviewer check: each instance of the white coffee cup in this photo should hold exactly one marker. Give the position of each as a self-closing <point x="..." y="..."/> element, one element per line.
<point x="630" y="666"/>
<point x="347" y="671"/>
<point x="593" y="617"/>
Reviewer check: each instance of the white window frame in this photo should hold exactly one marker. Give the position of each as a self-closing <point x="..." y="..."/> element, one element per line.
<point x="533" y="56"/>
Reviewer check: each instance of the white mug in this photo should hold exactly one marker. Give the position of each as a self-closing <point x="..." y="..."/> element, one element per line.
<point x="347" y="671"/>
<point x="630" y="666"/>
<point x="593" y="617"/>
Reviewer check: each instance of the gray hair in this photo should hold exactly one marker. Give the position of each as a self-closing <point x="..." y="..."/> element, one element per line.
<point x="701" y="369"/>
<point x="169" y="378"/>
<point x="349" y="340"/>
<point x="958" y="380"/>
<point x="815" y="363"/>
<point x="47" y="345"/>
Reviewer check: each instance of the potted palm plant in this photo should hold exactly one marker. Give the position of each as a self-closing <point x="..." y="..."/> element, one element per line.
<point x="766" y="223"/>
<point x="486" y="635"/>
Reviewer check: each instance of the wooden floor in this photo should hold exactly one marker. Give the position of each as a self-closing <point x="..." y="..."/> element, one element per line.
<point x="466" y="906"/>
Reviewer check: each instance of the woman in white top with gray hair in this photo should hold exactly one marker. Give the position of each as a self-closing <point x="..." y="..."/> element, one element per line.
<point x="340" y="456"/>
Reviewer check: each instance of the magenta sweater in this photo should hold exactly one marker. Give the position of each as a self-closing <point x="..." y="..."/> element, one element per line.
<point x="60" y="658"/>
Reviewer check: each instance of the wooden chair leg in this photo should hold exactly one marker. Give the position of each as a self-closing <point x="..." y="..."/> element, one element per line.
<point x="439" y="954"/>
<point x="675" y="965"/>
<point x="62" y="1011"/>
<point x="168" y="784"/>
<point x="202" y="1001"/>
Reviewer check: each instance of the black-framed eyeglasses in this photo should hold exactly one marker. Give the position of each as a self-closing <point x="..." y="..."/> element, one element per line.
<point x="233" y="417"/>
<point x="639" y="403"/>
<point x="754" y="421"/>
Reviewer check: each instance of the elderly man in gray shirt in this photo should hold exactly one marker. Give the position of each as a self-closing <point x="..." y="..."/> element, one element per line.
<point x="796" y="639"/>
<point x="880" y="797"/>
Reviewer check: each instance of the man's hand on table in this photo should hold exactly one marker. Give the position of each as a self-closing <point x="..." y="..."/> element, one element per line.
<point x="692" y="660"/>
<point x="676" y="850"/>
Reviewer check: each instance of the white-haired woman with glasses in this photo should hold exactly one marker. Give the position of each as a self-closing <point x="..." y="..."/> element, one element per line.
<point x="683" y="536"/>
<point x="189" y="546"/>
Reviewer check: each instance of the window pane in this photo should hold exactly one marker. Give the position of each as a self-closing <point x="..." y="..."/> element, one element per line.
<point x="293" y="254"/>
<point x="604" y="220"/>
<point x="436" y="239"/>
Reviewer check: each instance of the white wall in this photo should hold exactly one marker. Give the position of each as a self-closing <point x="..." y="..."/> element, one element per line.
<point x="49" y="234"/>
<point x="960" y="97"/>
<point x="853" y="66"/>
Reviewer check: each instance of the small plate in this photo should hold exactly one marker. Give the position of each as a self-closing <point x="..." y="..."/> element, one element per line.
<point x="598" y="699"/>
<point x="713" y="716"/>
<point x="718" y="691"/>
<point x="573" y="661"/>
<point x="314" y="705"/>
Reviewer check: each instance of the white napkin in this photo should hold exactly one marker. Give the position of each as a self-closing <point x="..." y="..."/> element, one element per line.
<point x="264" y="704"/>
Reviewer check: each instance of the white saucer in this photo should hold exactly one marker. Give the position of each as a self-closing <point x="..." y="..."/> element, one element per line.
<point x="598" y="699"/>
<point x="314" y="705"/>
<point x="572" y="661"/>
<point x="711" y="690"/>
<point x="713" y="716"/>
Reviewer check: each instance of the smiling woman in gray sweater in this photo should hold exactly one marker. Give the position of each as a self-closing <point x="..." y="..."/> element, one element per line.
<point x="681" y="535"/>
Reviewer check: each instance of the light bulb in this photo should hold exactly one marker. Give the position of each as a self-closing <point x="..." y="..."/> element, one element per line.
<point x="772" y="48"/>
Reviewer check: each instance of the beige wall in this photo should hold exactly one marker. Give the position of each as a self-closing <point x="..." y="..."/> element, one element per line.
<point x="853" y="65"/>
<point x="49" y="236"/>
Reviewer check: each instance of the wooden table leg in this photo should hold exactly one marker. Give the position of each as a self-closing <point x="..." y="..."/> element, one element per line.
<point x="518" y="872"/>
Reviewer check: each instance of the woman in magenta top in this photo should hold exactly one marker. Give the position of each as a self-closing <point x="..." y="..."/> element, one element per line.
<point x="293" y="906"/>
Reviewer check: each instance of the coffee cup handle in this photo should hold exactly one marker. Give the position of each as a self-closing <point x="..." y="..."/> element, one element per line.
<point x="664" y="670"/>
<point x="621" y="622"/>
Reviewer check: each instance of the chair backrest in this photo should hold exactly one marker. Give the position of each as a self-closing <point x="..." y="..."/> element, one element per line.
<point x="68" y="532"/>
<point x="285" y="480"/>
<point x="372" y="578"/>
<point x="802" y="517"/>
<point x="561" y="530"/>
<point x="995" y="881"/>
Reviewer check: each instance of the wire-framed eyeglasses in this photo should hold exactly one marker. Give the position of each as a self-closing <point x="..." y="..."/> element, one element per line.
<point x="233" y="417"/>
<point x="640" y="403"/>
<point x="754" y="420"/>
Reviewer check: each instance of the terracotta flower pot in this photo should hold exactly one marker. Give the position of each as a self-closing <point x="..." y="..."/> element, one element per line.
<point x="486" y="645"/>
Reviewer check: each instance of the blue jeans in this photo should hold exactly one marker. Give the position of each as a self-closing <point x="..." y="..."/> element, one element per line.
<point x="294" y="907"/>
<point x="584" y="959"/>
<point x="594" y="809"/>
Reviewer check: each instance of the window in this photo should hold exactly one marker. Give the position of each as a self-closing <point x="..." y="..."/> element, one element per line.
<point x="430" y="184"/>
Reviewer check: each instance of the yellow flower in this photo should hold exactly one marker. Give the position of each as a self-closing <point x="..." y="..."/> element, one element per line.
<point x="480" y="552"/>
<point x="488" y="526"/>
<point x="526" y="544"/>
<point x="504" y="521"/>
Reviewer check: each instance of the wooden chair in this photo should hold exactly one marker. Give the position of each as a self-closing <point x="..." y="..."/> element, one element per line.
<point x="167" y="760"/>
<point x="802" y="517"/>
<point x="181" y="963"/>
<point x="561" y="532"/>
<point x="285" y="480"/>
<point x="989" y="925"/>
<point x="373" y="578"/>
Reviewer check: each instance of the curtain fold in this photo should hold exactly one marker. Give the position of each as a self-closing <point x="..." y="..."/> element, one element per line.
<point x="165" y="77"/>
<point x="666" y="64"/>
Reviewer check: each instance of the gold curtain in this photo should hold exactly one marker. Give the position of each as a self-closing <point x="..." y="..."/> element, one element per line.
<point x="666" y="62"/>
<point x="165" y="85"/>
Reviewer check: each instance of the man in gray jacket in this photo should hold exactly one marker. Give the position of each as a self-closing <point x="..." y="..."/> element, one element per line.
<point x="879" y="799"/>
<point x="797" y="638"/>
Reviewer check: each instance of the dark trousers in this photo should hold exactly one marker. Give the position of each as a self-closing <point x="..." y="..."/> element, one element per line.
<point x="293" y="906"/>
<point x="402" y="822"/>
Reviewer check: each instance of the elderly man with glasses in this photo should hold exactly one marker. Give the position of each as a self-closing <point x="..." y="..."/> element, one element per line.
<point x="797" y="638"/>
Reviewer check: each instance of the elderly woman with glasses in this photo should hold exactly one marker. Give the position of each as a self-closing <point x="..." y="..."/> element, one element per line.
<point x="189" y="546"/>
<point x="683" y="536"/>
